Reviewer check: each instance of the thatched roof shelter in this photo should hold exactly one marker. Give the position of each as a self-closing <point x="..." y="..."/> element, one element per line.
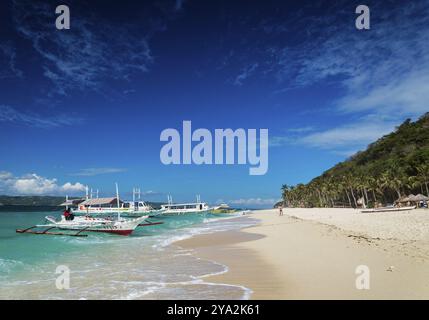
<point x="412" y="198"/>
<point x="421" y="197"/>
<point x="409" y="198"/>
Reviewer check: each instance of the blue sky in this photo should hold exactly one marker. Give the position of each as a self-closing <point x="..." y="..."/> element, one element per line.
<point x="87" y="105"/>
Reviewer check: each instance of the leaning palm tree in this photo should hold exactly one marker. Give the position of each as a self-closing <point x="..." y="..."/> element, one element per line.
<point x="373" y="187"/>
<point x="350" y="182"/>
<point x="285" y="191"/>
<point x="423" y="174"/>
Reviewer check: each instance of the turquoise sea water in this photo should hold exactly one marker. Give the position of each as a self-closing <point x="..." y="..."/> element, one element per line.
<point x="146" y="265"/>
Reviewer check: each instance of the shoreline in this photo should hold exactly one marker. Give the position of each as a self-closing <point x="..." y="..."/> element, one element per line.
<point x="314" y="253"/>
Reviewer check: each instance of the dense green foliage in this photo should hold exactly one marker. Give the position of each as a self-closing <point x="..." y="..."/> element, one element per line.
<point x="395" y="165"/>
<point x="31" y="200"/>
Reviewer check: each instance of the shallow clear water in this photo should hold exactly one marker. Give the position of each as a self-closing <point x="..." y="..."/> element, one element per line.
<point x="146" y="265"/>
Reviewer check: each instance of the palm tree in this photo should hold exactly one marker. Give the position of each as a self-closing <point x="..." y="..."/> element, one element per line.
<point x="423" y="174"/>
<point x="350" y="182"/>
<point x="373" y="186"/>
<point x="285" y="190"/>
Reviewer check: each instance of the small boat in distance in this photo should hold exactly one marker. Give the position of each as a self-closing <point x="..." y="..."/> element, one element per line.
<point x="222" y="208"/>
<point x="184" y="208"/>
<point x="388" y="209"/>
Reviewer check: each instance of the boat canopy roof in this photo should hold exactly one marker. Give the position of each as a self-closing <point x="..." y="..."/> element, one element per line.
<point x="100" y="201"/>
<point x="71" y="202"/>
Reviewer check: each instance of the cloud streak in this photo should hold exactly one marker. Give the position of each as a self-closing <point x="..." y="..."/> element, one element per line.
<point x="85" y="56"/>
<point x="384" y="70"/>
<point x="245" y="73"/>
<point x="12" y="115"/>
<point x="381" y="75"/>
<point x="8" y="68"/>
<point x="90" y="172"/>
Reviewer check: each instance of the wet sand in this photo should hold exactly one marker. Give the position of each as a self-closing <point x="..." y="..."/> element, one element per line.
<point x="316" y="255"/>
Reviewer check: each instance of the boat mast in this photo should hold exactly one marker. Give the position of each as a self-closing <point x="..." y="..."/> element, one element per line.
<point x="117" y="200"/>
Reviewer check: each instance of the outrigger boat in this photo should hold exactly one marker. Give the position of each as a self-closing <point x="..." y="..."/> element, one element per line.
<point x="388" y="209"/>
<point x="120" y="226"/>
<point x="184" y="208"/>
<point x="82" y="224"/>
<point x="113" y="205"/>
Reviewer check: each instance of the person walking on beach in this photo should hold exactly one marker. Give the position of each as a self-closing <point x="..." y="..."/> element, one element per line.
<point x="280" y="210"/>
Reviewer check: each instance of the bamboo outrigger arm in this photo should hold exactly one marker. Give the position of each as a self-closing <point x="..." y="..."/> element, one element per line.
<point x="46" y="232"/>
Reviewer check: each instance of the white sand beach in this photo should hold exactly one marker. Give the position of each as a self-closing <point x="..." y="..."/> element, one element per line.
<point x="314" y="253"/>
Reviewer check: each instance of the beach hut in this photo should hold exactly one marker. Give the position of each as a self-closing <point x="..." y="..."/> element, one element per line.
<point x="413" y="200"/>
<point x="404" y="201"/>
<point x="421" y="197"/>
<point x="421" y="201"/>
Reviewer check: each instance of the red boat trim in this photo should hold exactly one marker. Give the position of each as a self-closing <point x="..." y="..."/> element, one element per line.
<point x="119" y="232"/>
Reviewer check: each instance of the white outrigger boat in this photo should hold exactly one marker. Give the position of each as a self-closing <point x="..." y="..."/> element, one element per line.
<point x="388" y="209"/>
<point x="184" y="208"/>
<point x="121" y="226"/>
<point x="81" y="224"/>
<point x="113" y="205"/>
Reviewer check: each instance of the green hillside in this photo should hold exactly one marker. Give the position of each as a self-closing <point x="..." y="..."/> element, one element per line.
<point x="36" y="202"/>
<point x="30" y="200"/>
<point x="393" y="166"/>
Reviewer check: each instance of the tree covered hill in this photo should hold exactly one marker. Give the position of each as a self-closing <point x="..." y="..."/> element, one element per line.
<point x="31" y="200"/>
<point x="36" y="202"/>
<point x="394" y="165"/>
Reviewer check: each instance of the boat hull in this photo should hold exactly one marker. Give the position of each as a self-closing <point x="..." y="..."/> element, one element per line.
<point x="181" y="213"/>
<point x="388" y="209"/>
<point x="88" y="224"/>
<point x="111" y="231"/>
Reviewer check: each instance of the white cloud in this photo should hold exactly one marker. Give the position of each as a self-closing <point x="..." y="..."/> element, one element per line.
<point x="343" y="140"/>
<point x="404" y="96"/>
<point x="357" y="134"/>
<point x="33" y="184"/>
<point x="384" y="74"/>
<point x="151" y="193"/>
<point x="70" y="187"/>
<point x="89" y="172"/>
<point x="379" y="73"/>
<point x="383" y="71"/>
<point x="4" y="175"/>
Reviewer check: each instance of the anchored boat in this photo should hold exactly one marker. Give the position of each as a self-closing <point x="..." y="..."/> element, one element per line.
<point x="388" y="209"/>
<point x="113" y="205"/>
<point x="120" y="226"/>
<point x="184" y="208"/>
<point x="83" y="224"/>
